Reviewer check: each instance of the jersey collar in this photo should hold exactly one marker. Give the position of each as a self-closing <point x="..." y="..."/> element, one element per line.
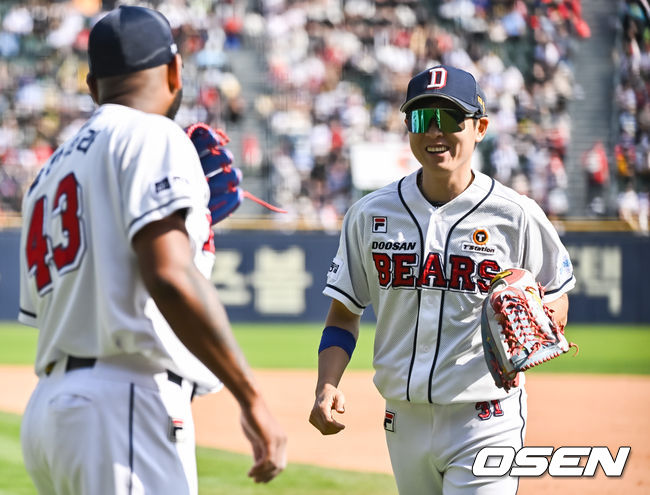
<point x="419" y="205"/>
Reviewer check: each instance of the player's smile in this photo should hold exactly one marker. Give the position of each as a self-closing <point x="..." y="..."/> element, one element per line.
<point x="437" y="149"/>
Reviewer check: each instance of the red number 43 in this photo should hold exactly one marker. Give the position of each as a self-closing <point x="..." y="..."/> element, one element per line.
<point x="65" y="256"/>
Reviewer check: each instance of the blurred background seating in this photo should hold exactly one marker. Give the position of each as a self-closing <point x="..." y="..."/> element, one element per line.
<point x="309" y="92"/>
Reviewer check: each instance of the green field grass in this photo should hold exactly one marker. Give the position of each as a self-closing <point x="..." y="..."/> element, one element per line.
<point x="13" y="477"/>
<point x="603" y="349"/>
<point x="220" y="473"/>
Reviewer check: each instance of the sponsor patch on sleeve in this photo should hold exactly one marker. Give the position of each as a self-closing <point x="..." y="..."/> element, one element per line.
<point x="335" y="270"/>
<point x="162" y="185"/>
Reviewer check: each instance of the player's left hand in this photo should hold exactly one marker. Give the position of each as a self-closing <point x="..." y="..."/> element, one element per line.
<point x="328" y="400"/>
<point x="268" y="440"/>
<point x="517" y="328"/>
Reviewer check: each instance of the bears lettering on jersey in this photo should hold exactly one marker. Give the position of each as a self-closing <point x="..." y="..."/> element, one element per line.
<point x="400" y="271"/>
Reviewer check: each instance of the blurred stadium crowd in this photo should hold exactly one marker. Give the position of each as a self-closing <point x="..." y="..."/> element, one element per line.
<point x="632" y="151"/>
<point x="333" y="75"/>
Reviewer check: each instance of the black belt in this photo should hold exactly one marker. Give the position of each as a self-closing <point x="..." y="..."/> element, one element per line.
<point x="75" y="363"/>
<point x="72" y="363"/>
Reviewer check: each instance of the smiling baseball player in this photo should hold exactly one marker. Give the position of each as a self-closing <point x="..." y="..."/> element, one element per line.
<point x="422" y="252"/>
<point x="115" y="251"/>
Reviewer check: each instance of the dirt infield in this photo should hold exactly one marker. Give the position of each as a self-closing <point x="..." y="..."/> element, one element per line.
<point x="564" y="410"/>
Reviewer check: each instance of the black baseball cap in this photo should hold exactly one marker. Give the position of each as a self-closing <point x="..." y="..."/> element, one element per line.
<point x="129" y="39"/>
<point x="449" y="83"/>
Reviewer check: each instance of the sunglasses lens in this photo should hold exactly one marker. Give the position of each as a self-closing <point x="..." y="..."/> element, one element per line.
<point x="450" y="120"/>
<point x="419" y="121"/>
<point x="445" y="119"/>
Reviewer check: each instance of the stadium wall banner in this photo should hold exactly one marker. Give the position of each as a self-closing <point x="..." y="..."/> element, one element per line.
<point x="273" y="276"/>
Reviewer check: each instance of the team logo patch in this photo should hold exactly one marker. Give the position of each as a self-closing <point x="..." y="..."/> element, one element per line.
<point x="162" y="185"/>
<point x="480" y="237"/>
<point x="565" y="267"/>
<point x="176" y="431"/>
<point x="379" y="224"/>
<point x="389" y="421"/>
<point x="479" y="243"/>
<point x="438" y="78"/>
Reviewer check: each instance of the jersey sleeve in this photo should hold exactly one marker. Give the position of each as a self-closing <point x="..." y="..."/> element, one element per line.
<point x="161" y="174"/>
<point x="346" y="278"/>
<point x="545" y="256"/>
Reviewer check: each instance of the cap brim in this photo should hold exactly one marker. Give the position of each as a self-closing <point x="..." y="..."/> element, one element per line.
<point x="463" y="105"/>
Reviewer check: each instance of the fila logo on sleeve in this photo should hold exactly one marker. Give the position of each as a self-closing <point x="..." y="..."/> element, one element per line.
<point x="379" y="225"/>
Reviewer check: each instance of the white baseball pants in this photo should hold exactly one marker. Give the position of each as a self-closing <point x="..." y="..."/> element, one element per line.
<point x="432" y="447"/>
<point x="116" y="428"/>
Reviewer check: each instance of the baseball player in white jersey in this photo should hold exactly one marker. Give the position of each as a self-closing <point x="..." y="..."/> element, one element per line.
<point x="115" y="250"/>
<point x="422" y="252"/>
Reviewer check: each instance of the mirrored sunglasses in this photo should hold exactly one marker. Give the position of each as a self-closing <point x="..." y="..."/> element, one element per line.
<point x="446" y="119"/>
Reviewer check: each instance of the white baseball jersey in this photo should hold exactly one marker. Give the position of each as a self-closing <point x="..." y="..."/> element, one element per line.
<point x="80" y="282"/>
<point x="426" y="272"/>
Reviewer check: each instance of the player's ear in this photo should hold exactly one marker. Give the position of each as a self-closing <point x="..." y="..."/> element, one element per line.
<point x="174" y="74"/>
<point x="481" y="128"/>
<point x="92" y="87"/>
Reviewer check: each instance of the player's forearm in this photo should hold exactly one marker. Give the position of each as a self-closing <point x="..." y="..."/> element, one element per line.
<point x="331" y="365"/>
<point x="190" y="305"/>
<point x="333" y="360"/>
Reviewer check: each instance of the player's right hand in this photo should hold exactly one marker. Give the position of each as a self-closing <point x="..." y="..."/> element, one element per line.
<point x="329" y="399"/>
<point x="268" y="440"/>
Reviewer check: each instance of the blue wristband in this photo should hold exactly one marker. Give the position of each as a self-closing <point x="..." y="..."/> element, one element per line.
<point x="335" y="336"/>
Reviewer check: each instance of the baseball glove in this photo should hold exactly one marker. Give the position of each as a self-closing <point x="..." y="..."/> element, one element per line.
<point x="517" y="329"/>
<point x="223" y="178"/>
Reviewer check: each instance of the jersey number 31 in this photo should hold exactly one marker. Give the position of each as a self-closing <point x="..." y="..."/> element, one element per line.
<point x="39" y="251"/>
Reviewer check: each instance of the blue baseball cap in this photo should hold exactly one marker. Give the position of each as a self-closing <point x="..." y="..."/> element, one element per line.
<point x="448" y="83"/>
<point x="129" y="39"/>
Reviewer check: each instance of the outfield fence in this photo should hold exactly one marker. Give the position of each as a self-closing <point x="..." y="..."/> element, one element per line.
<point x="268" y="275"/>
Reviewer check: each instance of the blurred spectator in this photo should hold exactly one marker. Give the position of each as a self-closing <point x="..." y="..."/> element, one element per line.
<point x="632" y="152"/>
<point x="504" y="159"/>
<point x="596" y="167"/>
<point x="629" y="206"/>
<point x="644" y="212"/>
